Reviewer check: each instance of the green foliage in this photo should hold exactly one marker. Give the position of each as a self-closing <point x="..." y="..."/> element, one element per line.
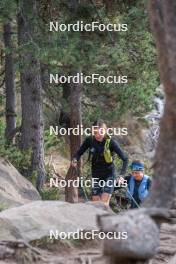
<point x="7" y="10"/>
<point x="32" y="177"/>
<point x="3" y="207"/>
<point x="129" y="53"/>
<point x="19" y="159"/>
<point x="132" y="54"/>
<point x="50" y="194"/>
<point x="55" y="143"/>
<point x="50" y="140"/>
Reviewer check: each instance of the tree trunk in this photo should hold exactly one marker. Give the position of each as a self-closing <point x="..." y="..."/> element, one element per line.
<point x="9" y="84"/>
<point x="71" y="194"/>
<point x="76" y="116"/>
<point x="31" y="88"/>
<point x="163" y="21"/>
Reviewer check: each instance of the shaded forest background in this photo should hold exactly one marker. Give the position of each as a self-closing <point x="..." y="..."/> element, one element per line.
<point x="29" y="104"/>
<point x="29" y="53"/>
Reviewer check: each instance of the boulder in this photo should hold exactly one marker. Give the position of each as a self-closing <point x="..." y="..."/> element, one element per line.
<point x="141" y="227"/>
<point x="33" y="221"/>
<point x="15" y="190"/>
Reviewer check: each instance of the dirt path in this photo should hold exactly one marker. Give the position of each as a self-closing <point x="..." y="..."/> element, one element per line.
<point x="88" y="256"/>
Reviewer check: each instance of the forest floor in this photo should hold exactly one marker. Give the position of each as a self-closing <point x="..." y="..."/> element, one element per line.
<point x="76" y="256"/>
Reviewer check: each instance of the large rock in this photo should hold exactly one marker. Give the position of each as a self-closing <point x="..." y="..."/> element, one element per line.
<point x="14" y="188"/>
<point x="34" y="221"/>
<point x="141" y="226"/>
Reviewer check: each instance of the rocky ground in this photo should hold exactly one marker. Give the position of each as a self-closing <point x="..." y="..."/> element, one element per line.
<point x="24" y="227"/>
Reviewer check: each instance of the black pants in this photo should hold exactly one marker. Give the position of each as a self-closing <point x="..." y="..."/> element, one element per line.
<point x="103" y="180"/>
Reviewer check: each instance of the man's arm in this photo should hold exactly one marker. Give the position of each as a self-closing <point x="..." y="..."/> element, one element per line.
<point x="86" y="144"/>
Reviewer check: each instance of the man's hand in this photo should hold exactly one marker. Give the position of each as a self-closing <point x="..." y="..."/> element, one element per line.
<point x="74" y="163"/>
<point x="121" y="180"/>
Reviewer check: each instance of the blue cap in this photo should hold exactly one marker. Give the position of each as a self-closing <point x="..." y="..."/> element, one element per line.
<point x="137" y="166"/>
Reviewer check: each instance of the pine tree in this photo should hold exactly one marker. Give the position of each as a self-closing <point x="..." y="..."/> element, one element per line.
<point x="10" y="92"/>
<point x="31" y="88"/>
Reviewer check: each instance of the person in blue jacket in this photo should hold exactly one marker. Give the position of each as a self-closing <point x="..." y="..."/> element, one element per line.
<point x="138" y="184"/>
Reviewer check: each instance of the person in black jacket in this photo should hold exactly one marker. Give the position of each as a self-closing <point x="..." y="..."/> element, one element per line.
<point x="101" y="169"/>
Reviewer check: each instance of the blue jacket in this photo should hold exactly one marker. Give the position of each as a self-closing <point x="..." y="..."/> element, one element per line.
<point x="142" y="191"/>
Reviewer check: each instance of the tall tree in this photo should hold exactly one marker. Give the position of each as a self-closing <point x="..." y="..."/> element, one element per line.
<point x="9" y="84"/>
<point x="75" y="116"/>
<point x="31" y="88"/>
<point x="75" y="140"/>
<point x="163" y="21"/>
